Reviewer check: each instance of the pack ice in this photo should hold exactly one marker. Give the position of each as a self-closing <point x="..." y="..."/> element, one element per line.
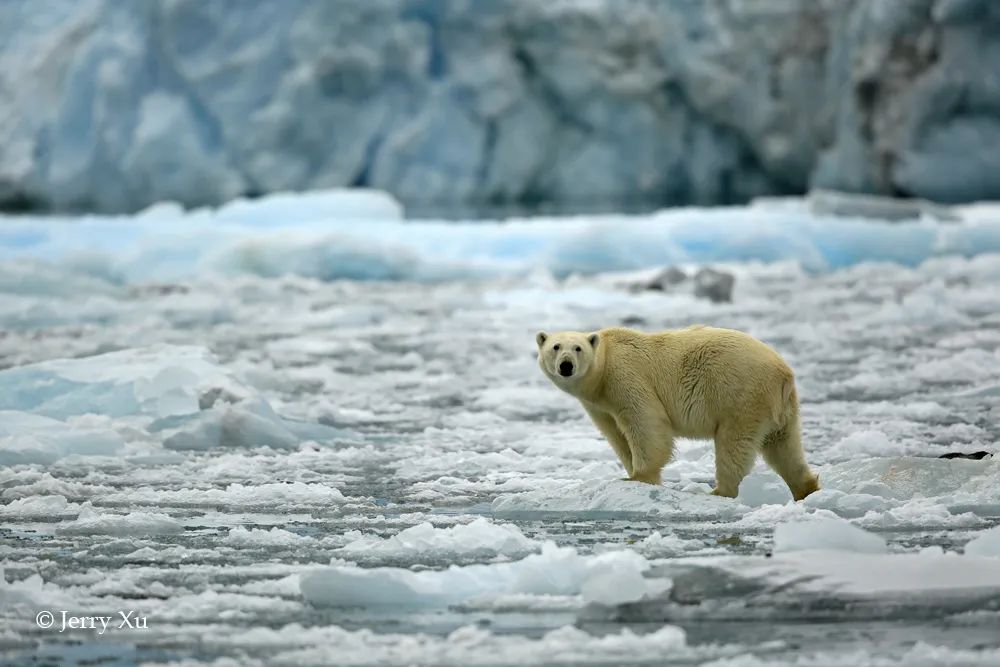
<point x="306" y="430"/>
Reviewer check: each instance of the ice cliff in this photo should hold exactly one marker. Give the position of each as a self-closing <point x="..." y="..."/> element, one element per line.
<point x="110" y="106"/>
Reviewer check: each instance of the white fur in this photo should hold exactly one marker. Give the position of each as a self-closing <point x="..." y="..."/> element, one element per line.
<point x="642" y="390"/>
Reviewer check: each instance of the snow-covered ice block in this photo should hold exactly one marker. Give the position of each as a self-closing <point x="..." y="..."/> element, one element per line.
<point x="763" y="488"/>
<point x="615" y="497"/>
<point x="157" y="381"/>
<point x="554" y="571"/>
<point x="480" y="538"/>
<point x="986" y="543"/>
<point x="31" y="438"/>
<point x="248" y="423"/>
<point x="93" y="522"/>
<point x="826" y="533"/>
<point x="40" y="507"/>
<point x="259" y="537"/>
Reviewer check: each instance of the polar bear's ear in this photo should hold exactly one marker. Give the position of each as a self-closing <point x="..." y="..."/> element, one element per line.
<point x="594" y="339"/>
<point x="541" y="337"/>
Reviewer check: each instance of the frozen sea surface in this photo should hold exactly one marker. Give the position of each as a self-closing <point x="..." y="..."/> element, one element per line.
<point x="296" y="459"/>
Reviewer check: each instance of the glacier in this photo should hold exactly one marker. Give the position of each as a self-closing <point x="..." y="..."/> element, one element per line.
<point x="311" y="429"/>
<point x="585" y="104"/>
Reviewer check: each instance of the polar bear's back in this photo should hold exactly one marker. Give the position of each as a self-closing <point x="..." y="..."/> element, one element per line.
<point x="702" y="374"/>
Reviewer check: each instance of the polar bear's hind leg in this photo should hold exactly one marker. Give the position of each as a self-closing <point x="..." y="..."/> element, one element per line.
<point x="782" y="451"/>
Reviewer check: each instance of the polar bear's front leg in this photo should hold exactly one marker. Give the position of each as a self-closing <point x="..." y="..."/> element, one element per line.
<point x="651" y="442"/>
<point x="605" y="423"/>
<point x="735" y="452"/>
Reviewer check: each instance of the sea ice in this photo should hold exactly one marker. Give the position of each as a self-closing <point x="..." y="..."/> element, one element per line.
<point x="93" y="522"/>
<point x="480" y="538"/>
<point x="158" y="381"/>
<point x="305" y="235"/>
<point x="986" y="543"/>
<point x="606" y="497"/>
<point x="31" y="438"/>
<point x="258" y="537"/>
<point x="273" y="494"/>
<point x="554" y="571"/>
<point x="826" y="533"/>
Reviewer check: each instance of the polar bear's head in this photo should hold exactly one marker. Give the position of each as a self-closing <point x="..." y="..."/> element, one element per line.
<point x="566" y="357"/>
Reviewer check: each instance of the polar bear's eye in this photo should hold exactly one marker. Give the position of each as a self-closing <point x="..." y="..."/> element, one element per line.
<point x="578" y="348"/>
<point x="556" y="347"/>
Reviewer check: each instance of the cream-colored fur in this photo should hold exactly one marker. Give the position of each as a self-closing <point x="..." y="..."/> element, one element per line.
<point x="643" y="390"/>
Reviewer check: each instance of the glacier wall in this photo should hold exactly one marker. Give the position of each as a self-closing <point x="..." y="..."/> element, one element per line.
<point x="109" y="106"/>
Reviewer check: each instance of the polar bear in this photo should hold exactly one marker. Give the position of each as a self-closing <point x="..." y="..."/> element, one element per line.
<point x="643" y="390"/>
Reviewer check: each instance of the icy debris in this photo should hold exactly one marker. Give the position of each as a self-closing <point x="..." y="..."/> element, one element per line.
<point x="480" y="538"/>
<point x="258" y="537"/>
<point x="826" y="533"/>
<point x="986" y="543"/>
<point x="611" y="497"/>
<point x="93" y="522"/>
<point x="923" y="512"/>
<point x="26" y="483"/>
<point x="274" y="494"/>
<point x="32" y="594"/>
<point x="921" y="654"/>
<point x="848" y="505"/>
<point x="555" y="571"/>
<point x="40" y="507"/>
<point x="465" y="647"/>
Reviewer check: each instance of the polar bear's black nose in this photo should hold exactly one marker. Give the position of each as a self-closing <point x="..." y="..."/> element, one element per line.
<point x="566" y="369"/>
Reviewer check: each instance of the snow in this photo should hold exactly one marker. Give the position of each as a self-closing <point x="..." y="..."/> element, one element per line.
<point x="826" y="533"/>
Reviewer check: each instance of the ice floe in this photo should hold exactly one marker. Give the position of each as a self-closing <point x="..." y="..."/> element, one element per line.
<point x="826" y="533"/>
<point x="986" y="543"/>
<point x="308" y="235"/>
<point x="481" y="539"/>
<point x="554" y="571"/>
